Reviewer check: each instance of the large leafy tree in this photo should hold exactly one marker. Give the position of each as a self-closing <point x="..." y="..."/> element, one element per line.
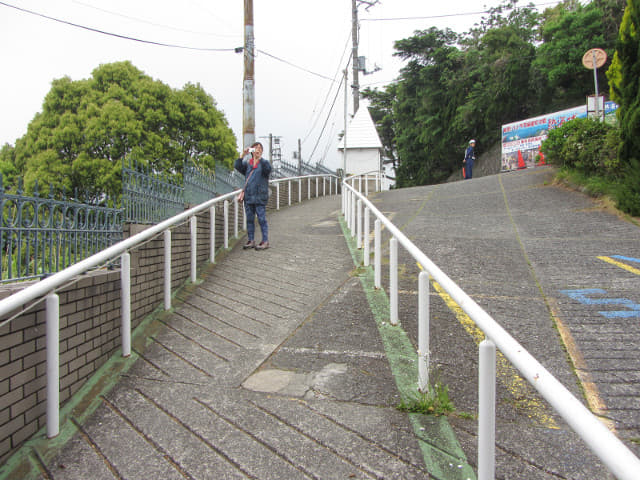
<point x="625" y="89"/>
<point x="559" y="79"/>
<point x="514" y="64"/>
<point x="87" y="128"/>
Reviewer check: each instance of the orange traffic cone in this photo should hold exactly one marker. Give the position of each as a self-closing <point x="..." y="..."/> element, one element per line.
<point x="521" y="163"/>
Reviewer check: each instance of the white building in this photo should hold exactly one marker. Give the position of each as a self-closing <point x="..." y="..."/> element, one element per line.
<point x="364" y="148"/>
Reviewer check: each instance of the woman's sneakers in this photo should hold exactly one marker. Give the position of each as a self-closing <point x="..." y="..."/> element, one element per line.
<point x="262" y="246"/>
<point x="249" y="244"/>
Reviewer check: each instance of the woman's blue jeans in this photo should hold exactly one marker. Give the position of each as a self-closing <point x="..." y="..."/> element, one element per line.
<point x="251" y="210"/>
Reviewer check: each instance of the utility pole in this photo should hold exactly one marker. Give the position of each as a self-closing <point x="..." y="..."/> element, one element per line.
<point x="248" y="85"/>
<point x="346" y="114"/>
<point x="354" y="39"/>
<point x="354" y="56"/>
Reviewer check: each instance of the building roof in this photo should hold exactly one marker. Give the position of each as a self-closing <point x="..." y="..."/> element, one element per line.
<point x="361" y="132"/>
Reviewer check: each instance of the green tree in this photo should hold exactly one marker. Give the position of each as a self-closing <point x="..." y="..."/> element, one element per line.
<point x="623" y="75"/>
<point x="559" y="79"/>
<point x="87" y="128"/>
<point x="381" y="110"/>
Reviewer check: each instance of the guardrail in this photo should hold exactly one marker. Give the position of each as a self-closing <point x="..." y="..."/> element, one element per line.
<point x="613" y="453"/>
<point x="46" y="288"/>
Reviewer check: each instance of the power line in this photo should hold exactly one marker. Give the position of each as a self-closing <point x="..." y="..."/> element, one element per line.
<point x="141" y="20"/>
<point x="161" y="44"/>
<point x="326" y="98"/>
<point x="295" y="66"/>
<point x="462" y="14"/>
<point x="124" y="37"/>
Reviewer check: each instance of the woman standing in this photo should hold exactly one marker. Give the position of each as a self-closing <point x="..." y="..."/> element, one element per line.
<point x="256" y="171"/>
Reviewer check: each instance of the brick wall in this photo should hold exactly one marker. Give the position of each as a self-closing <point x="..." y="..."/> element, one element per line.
<point x="89" y="326"/>
<point x="90" y="320"/>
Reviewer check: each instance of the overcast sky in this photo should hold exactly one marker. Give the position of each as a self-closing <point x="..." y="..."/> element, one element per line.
<point x="310" y="40"/>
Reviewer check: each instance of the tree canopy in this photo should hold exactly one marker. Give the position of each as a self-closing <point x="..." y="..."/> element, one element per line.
<point x="516" y="63"/>
<point x="623" y="76"/>
<point x="87" y="128"/>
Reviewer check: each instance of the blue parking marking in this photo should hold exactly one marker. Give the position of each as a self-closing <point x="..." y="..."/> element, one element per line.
<point x="628" y="259"/>
<point x="584" y="296"/>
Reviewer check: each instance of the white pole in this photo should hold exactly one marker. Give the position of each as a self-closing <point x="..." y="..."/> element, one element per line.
<point x="367" y="240"/>
<point x="359" y="224"/>
<point x="212" y="234"/>
<point x="377" y="254"/>
<point x="278" y="196"/>
<point x="226" y="224"/>
<point x="487" y="411"/>
<point x="53" y="364"/>
<point x="423" y="332"/>
<point x="300" y="190"/>
<point x="289" y="192"/>
<point x="125" y="279"/>
<point x="236" y="213"/>
<point x="167" y="269"/>
<point x="393" y="280"/>
<point x="353" y="214"/>
<point x="194" y="248"/>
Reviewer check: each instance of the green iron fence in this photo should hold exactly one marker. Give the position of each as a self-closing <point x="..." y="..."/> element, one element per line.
<point x="42" y="235"/>
<point x="199" y="184"/>
<point x="149" y="197"/>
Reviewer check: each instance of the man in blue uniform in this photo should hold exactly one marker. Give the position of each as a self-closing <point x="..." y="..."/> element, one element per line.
<point x="469" y="158"/>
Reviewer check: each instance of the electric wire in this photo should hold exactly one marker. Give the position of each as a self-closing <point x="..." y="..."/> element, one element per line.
<point x="446" y="15"/>
<point x="330" y="111"/>
<point x="326" y="98"/>
<point x="141" y="20"/>
<point x="117" y="35"/>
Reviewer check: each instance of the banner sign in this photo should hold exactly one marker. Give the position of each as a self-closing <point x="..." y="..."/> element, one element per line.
<point x="521" y="140"/>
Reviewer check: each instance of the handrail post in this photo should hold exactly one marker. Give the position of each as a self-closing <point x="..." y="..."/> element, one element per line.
<point x="167" y="269"/>
<point x="423" y="332"/>
<point x="278" y="196"/>
<point x="226" y="224"/>
<point x="487" y="410"/>
<point x="194" y="248"/>
<point x="353" y="215"/>
<point x="359" y="224"/>
<point x="393" y="280"/>
<point x="308" y="189"/>
<point x="52" y="303"/>
<point x="212" y="234"/>
<point x="377" y="254"/>
<point x="299" y="190"/>
<point x="367" y="242"/>
<point x="316" y="187"/>
<point x="125" y="279"/>
<point x="236" y="214"/>
<point x="366" y="185"/>
<point x="289" y="192"/>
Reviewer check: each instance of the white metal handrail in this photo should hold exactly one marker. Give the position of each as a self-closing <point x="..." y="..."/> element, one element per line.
<point x="46" y="288"/>
<point x="613" y="453"/>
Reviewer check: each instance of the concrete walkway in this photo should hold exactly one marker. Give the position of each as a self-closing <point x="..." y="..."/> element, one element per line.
<point x="281" y="364"/>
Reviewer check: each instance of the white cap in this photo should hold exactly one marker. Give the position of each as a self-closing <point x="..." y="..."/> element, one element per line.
<point x="471" y="141"/>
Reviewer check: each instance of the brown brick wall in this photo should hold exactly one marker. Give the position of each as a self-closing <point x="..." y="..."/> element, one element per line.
<point x="90" y="321"/>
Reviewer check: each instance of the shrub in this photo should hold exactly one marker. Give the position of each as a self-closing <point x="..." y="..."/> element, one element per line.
<point x="585" y="145"/>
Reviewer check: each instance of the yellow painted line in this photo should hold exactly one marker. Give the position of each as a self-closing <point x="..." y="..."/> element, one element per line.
<point x="509" y="377"/>
<point x="620" y="264"/>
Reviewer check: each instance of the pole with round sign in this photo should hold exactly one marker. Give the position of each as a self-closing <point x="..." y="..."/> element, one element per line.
<point x="594" y="59"/>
